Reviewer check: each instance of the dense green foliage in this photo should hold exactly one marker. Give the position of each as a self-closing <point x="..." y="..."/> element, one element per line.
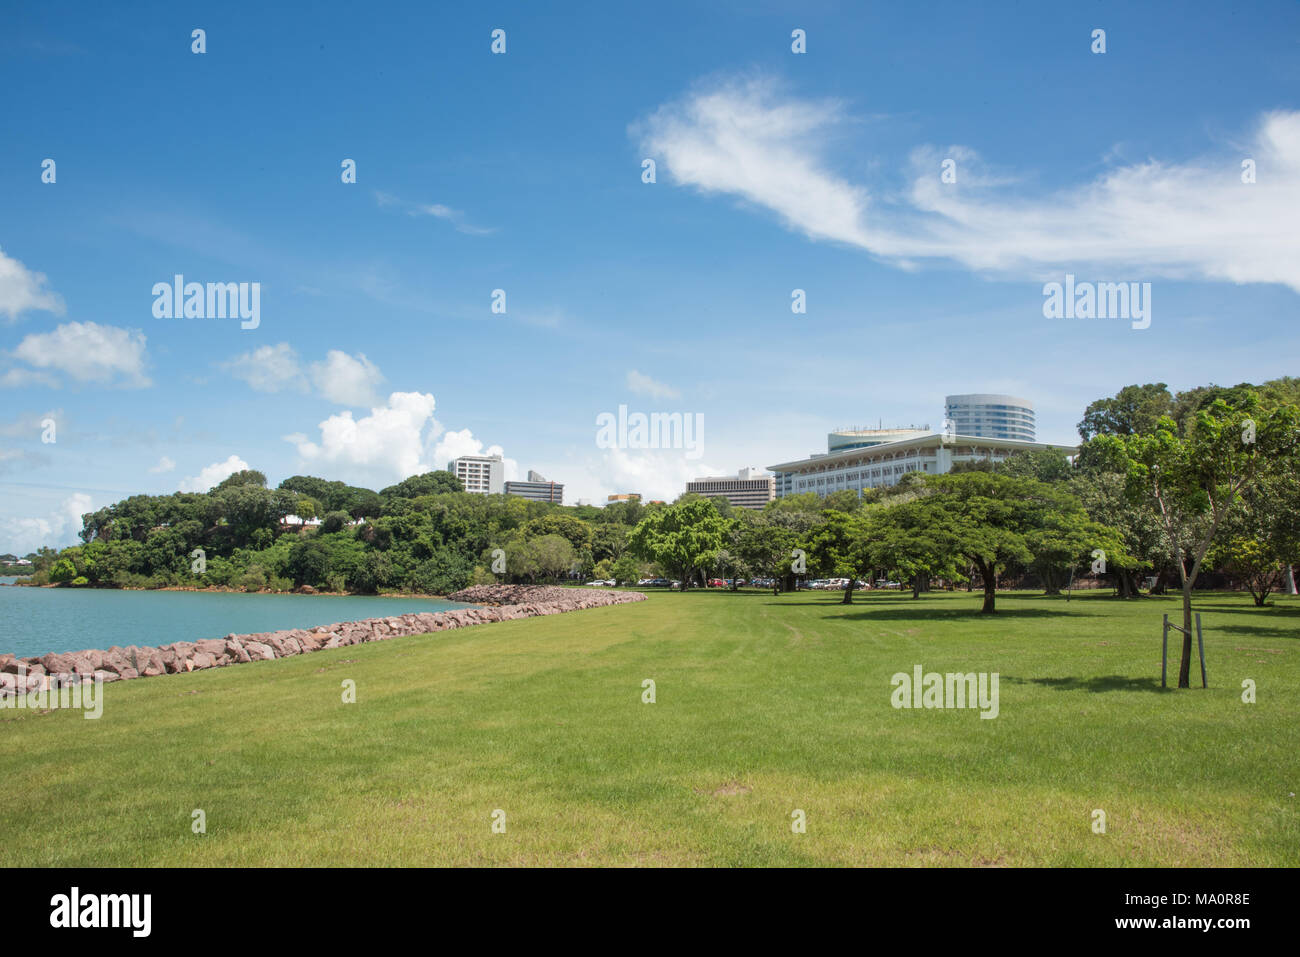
<point x="424" y="534"/>
<point x="1165" y="487"/>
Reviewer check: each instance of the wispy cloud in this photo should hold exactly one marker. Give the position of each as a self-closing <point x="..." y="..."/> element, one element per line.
<point x="438" y="211"/>
<point x="1192" y="219"/>
<point x="644" y="385"/>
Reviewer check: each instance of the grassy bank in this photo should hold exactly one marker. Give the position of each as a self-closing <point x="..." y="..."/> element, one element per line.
<point x="764" y="704"/>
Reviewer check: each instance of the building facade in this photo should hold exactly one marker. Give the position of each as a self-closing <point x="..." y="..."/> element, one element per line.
<point x="537" y="488"/>
<point x="990" y="416"/>
<point x="843" y="439"/>
<point x="882" y="465"/>
<point x="482" y="474"/>
<point x="749" y="488"/>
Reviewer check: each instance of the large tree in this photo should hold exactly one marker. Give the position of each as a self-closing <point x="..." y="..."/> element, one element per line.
<point x="838" y="547"/>
<point x="912" y="539"/>
<point x="1193" y="479"/>
<point x="995" y="521"/>
<point x="1133" y="410"/>
<point x="681" y="538"/>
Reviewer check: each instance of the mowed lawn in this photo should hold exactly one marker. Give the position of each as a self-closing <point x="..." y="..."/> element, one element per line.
<point x="764" y="705"/>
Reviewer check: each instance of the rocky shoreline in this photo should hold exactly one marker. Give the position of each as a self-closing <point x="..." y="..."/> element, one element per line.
<point x="498" y="603"/>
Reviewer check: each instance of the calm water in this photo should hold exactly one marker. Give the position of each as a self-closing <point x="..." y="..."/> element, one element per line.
<point x="34" y="621"/>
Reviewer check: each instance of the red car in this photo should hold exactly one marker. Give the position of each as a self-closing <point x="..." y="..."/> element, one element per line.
<point x="717" y="583"/>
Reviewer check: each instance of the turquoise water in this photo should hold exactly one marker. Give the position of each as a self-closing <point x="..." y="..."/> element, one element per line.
<point x="34" y="621"/>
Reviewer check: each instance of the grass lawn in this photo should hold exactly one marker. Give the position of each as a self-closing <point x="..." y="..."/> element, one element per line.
<point x="764" y="704"/>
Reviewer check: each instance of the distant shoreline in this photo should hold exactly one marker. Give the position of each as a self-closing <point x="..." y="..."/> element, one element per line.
<point x="226" y="589"/>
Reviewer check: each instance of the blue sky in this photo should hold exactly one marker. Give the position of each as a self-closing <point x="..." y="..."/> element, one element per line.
<point x="377" y="351"/>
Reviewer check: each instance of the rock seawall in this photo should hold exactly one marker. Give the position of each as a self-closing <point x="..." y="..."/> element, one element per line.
<point x="505" y="603"/>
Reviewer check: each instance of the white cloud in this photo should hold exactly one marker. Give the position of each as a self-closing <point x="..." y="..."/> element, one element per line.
<point x="20" y="536"/>
<point x="338" y="378"/>
<point x="455" y="444"/>
<point x="644" y="385"/>
<point x="389" y="444"/>
<point x="436" y="210"/>
<point x="22" y="289"/>
<point x="22" y="378"/>
<point x="347" y="380"/>
<point x="84" y="351"/>
<point x="165" y="464"/>
<point x="1193" y="219"/>
<point x="743" y="139"/>
<point x="214" y="474"/>
<point x="268" y="368"/>
<point x="656" y="474"/>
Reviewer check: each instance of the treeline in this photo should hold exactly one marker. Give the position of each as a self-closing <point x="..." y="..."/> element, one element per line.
<point x="422" y="535"/>
<point x="1165" y="489"/>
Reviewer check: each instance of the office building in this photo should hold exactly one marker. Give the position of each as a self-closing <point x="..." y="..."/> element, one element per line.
<point x="843" y="439"/>
<point x="990" y="416"/>
<point x="749" y="488"/>
<point x="483" y="474"/>
<point x="538" y="488"/>
<point x="875" y="466"/>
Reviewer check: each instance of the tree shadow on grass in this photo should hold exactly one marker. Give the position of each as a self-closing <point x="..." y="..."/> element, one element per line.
<point x="1250" y="631"/>
<point x="1096" y="684"/>
<point x="931" y="614"/>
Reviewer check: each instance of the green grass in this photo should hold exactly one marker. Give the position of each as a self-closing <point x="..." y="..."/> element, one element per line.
<point x="765" y="704"/>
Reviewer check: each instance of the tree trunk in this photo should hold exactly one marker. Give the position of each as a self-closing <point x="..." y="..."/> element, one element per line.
<point x="916" y="585"/>
<point x="1185" y="666"/>
<point x="990" y="590"/>
<point x="848" y="593"/>
<point x="1288" y="581"/>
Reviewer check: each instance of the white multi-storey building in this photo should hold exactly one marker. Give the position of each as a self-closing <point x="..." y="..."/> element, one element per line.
<point x="990" y="416"/>
<point x="874" y="466"/>
<point x="484" y="474"/>
<point x="748" y="488"/>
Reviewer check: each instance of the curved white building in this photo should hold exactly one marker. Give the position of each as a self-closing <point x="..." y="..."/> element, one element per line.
<point x="990" y="416"/>
<point x="879" y="465"/>
<point x="843" y="439"/>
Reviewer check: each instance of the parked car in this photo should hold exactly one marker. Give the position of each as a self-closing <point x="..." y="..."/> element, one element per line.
<point x="717" y="583"/>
